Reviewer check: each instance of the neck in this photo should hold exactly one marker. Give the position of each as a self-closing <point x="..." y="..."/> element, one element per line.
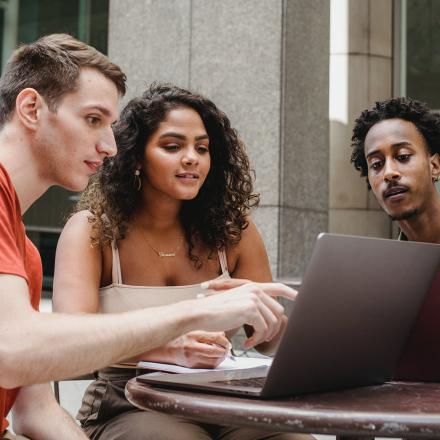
<point x="158" y="213"/>
<point x="425" y="225"/>
<point x="16" y="156"/>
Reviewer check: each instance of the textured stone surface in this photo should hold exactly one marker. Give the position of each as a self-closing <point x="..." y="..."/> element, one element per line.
<point x="381" y="13"/>
<point x="379" y="224"/>
<point x="360" y="74"/>
<point x="347" y="189"/>
<point x="300" y="230"/>
<point x="150" y="40"/>
<point x="305" y="106"/>
<point x="380" y="79"/>
<point x="305" y="131"/>
<point x="363" y="222"/>
<point x="358" y="25"/>
<point x="267" y="222"/>
<point x="348" y="221"/>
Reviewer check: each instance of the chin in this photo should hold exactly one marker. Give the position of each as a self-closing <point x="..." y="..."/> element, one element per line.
<point x="403" y="215"/>
<point x="76" y="186"/>
<point x="187" y="196"/>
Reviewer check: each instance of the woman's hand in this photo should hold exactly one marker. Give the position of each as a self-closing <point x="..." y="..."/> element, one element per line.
<point x="199" y="349"/>
<point x="196" y="349"/>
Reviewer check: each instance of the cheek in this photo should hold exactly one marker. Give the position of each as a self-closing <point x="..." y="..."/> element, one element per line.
<point x="157" y="168"/>
<point x="375" y="183"/>
<point x="206" y="161"/>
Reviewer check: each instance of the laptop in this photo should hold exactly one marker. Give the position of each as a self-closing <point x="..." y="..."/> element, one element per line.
<point x="356" y="308"/>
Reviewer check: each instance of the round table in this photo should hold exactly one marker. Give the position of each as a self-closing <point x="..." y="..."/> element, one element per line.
<point x="396" y="409"/>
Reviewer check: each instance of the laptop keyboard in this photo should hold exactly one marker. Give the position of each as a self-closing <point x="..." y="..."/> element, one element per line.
<point x="256" y="382"/>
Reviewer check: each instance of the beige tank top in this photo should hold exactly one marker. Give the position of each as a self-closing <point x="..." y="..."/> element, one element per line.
<point x="119" y="297"/>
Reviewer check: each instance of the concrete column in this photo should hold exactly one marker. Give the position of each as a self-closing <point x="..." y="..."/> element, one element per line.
<point x="360" y="74"/>
<point x="305" y="132"/>
<point x="265" y="64"/>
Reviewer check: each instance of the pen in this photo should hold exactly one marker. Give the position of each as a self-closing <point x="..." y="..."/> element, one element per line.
<point x="229" y="353"/>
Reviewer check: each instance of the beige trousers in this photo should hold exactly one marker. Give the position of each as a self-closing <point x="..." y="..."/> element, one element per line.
<point x="9" y="436"/>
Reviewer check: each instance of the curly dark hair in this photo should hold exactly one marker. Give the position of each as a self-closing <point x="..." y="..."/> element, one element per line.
<point x="216" y="217"/>
<point x="426" y="121"/>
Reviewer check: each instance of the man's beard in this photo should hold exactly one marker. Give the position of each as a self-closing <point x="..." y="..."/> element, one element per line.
<point x="404" y="215"/>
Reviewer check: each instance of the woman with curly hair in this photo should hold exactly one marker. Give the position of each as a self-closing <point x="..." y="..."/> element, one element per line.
<point x="167" y="213"/>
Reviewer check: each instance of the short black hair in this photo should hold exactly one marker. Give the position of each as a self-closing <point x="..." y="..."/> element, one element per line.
<point x="425" y="120"/>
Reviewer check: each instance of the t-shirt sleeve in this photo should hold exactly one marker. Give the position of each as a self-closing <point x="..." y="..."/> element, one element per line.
<point x="11" y="260"/>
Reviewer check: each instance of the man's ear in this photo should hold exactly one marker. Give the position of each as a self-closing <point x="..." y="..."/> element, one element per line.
<point x="435" y="166"/>
<point x="28" y="106"/>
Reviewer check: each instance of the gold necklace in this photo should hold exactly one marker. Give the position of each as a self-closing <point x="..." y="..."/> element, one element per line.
<point x="161" y="254"/>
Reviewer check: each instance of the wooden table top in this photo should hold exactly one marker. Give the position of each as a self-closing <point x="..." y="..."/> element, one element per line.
<point x="396" y="409"/>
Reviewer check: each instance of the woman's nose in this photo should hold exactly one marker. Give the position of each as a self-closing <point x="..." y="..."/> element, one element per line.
<point x="190" y="158"/>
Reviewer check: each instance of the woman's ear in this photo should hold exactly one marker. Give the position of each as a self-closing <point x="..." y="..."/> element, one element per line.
<point x="28" y="105"/>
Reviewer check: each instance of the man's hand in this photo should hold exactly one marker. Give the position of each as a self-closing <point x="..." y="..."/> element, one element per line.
<point x="272" y="289"/>
<point x="250" y="303"/>
<point x="199" y="349"/>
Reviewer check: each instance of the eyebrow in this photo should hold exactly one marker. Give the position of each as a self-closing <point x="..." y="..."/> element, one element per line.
<point x="182" y="137"/>
<point x="396" y="145"/>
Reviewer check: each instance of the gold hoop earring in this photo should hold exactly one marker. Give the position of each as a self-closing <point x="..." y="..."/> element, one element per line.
<point x="137" y="181"/>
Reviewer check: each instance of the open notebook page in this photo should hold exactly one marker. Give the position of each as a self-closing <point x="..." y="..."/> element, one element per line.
<point x="239" y="364"/>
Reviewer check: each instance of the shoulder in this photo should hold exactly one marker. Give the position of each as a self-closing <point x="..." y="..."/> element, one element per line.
<point x="78" y="267"/>
<point x="77" y="231"/>
<point x="249" y="236"/>
<point x="80" y="219"/>
<point x="12" y="234"/>
<point x="9" y="203"/>
<point x="250" y="245"/>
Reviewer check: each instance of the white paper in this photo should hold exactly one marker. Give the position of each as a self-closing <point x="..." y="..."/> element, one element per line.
<point x="239" y="364"/>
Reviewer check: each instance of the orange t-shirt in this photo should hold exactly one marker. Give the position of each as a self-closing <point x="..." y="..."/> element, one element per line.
<point x="18" y="256"/>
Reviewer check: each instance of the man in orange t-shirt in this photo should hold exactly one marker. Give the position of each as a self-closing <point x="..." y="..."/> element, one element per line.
<point x="58" y="101"/>
<point x="18" y="256"/>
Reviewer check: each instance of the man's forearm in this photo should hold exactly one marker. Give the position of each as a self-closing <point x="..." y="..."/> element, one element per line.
<point x="55" y="346"/>
<point x="38" y="416"/>
<point x="37" y="348"/>
<point x="60" y="426"/>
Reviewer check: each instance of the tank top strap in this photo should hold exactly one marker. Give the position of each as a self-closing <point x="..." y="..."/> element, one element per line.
<point x="116" y="264"/>
<point x="223" y="260"/>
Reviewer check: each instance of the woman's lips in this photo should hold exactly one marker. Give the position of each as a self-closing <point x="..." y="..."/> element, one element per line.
<point x="188" y="177"/>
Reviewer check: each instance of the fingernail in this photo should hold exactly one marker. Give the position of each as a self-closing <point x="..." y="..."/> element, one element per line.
<point x="205" y="285"/>
<point x="200" y="295"/>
